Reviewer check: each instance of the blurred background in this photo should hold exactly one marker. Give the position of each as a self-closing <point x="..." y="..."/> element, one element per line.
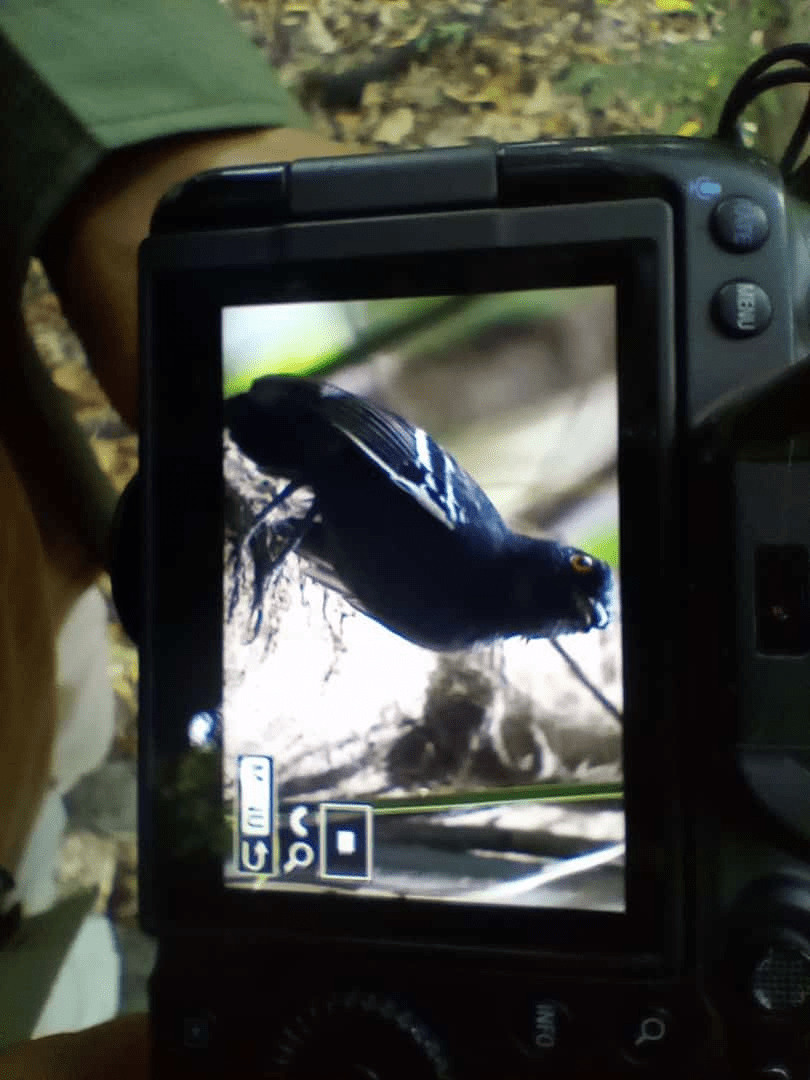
<point x="407" y="74"/>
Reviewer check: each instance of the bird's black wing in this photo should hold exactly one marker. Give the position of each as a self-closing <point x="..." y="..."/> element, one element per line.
<point x="290" y="425"/>
<point x="413" y="461"/>
<point x="320" y="568"/>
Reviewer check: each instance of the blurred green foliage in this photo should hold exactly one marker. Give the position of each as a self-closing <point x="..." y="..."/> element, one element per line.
<point x="690" y="79"/>
<point x="193" y="815"/>
<point x="605" y="546"/>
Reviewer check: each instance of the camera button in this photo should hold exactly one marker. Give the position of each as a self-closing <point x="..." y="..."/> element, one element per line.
<point x="782" y="599"/>
<point x="741" y="309"/>
<point x="545" y="1027"/>
<point x="197" y="1031"/>
<point x="739" y="224"/>
<point x="648" y="1035"/>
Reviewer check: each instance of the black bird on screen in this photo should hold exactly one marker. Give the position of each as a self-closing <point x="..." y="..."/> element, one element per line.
<point x="409" y="535"/>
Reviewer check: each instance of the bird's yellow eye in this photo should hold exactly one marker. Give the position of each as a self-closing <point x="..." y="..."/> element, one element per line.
<point x="583" y="564"/>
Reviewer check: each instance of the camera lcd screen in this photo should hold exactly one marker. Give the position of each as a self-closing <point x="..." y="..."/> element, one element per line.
<point x="354" y="759"/>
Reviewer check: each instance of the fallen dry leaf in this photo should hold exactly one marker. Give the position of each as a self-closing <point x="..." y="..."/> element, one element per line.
<point x="395" y="126"/>
<point x="320" y="37"/>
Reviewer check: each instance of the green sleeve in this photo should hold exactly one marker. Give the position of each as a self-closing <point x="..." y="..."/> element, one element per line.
<point x="79" y="78"/>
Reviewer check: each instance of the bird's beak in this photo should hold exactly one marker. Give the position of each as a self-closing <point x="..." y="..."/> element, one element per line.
<point x="593" y="612"/>
<point x="585" y="609"/>
<point x="601" y="615"/>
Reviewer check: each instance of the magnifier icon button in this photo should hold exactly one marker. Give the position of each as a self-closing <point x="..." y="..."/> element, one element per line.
<point x="649" y="1034"/>
<point x="651" y="1029"/>
<point x="300" y="855"/>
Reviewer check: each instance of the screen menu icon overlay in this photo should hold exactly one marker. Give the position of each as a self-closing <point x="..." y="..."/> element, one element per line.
<point x="333" y="841"/>
<point x="257" y="850"/>
<point x="346" y="841"/>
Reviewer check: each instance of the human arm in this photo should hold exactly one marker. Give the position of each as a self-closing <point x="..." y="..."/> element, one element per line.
<point x="119" y="1048"/>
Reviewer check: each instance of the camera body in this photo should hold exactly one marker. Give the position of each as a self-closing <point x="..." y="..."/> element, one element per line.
<point x="702" y="965"/>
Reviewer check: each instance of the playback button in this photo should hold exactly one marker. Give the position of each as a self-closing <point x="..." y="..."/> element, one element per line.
<point x="739" y="224"/>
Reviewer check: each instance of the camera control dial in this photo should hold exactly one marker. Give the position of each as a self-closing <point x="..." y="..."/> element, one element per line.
<point x="355" y="1035"/>
<point x="771" y="951"/>
<point x="767" y="974"/>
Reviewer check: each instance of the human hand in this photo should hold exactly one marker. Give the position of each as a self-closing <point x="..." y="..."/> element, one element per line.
<point x="119" y="1049"/>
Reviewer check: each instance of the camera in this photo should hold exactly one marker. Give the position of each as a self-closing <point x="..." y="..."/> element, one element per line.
<point x="389" y="829"/>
